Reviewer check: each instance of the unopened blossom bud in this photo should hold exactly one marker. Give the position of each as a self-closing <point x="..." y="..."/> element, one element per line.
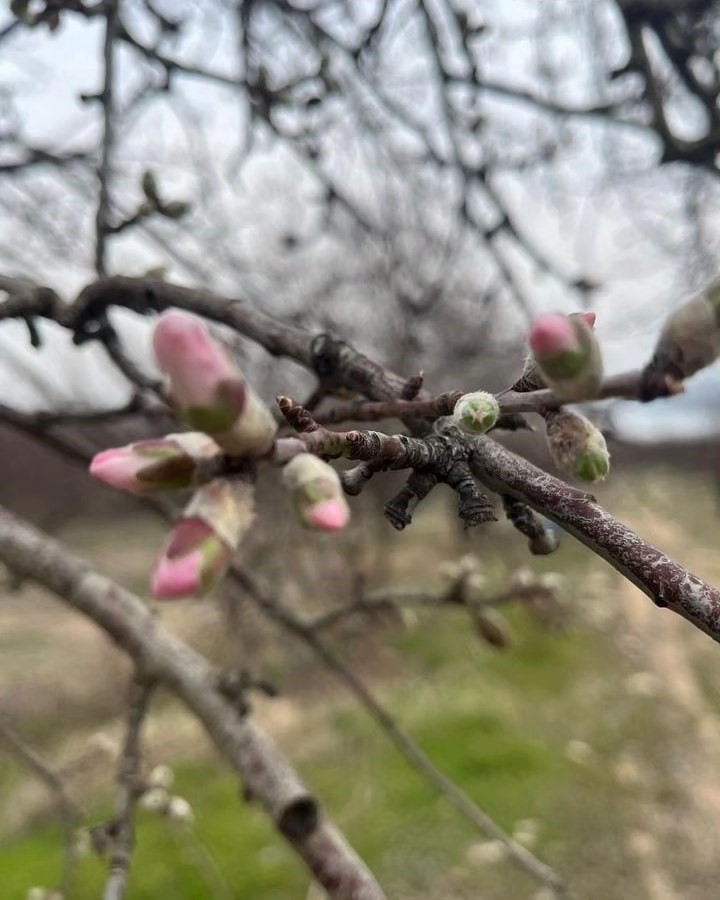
<point x="568" y="355"/>
<point x="316" y="493"/>
<point x="477" y="412"/>
<point x="207" y="388"/>
<point x="155" y="800"/>
<point x="532" y="378"/>
<point x="689" y="341"/>
<point x="521" y="578"/>
<point x="204" y="541"/>
<point x="158" y="464"/>
<point x="161" y="777"/>
<point x="577" y="446"/>
<point x="179" y="810"/>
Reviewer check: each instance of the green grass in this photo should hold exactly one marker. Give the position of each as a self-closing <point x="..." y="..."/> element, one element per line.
<point x="496" y="723"/>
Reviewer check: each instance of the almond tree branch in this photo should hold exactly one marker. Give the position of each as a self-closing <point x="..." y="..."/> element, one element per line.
<point x="666" y="582"/>
<point x="107" y="100"/>
<point x="161" y="656"/>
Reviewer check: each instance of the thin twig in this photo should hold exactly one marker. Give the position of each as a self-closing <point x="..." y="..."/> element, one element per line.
<point x="70" y="813"/>
<point x="107" y="99"/>
<point x="123" y="826"/>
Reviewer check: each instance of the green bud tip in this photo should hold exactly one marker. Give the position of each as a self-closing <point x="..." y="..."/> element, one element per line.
<point x="477" y="412"/>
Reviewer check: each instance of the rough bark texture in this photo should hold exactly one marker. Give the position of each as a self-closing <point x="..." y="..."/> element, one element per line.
<point x="665" y="581"/>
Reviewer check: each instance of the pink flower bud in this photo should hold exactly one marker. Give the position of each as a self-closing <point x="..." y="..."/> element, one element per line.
<point x="194" y="559"/>
<point x="551" y="334"/>
<point x="204" y="541"/>
<point x="207" y="388"/>
<point x="567" y="354"/>
<point x="316" y="492"/>
<point x="159" y="464"/>
<point x="532" y="378"/>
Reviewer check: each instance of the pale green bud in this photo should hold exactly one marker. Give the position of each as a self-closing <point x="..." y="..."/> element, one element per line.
<point x="577" y="446"/>
<point x="477" y="412"/>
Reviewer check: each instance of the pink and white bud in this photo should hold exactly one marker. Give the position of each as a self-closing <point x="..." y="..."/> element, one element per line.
<point x="532" y="378"/>
<point x="158" y="464"/>
<point x="203" y="543"/>
<point x="207" y="388"/>
<point x="567" y="354"/>
<point x="476" y="412"/>
<point x="316" y="493"/>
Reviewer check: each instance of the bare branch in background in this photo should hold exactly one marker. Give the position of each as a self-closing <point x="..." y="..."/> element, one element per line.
<point x="70" y="813"/>
<point x="123" y="826"/>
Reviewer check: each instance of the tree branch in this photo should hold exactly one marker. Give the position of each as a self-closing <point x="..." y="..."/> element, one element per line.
<point x="160" y="655"/>
<point x="665" y="581"/>
<point x="123" y="826"/>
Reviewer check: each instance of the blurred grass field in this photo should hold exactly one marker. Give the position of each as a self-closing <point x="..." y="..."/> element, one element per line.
<point x="597" y="744"/>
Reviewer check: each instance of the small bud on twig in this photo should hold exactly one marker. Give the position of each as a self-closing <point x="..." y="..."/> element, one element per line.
<point x="208" y="389"/>
<point x="158" y="464"/>
<point x="568" y="355"/>
<point x="202" y="544"/>
<point x="689" y="341"/>
<point x="316" y="493"/>
<point x="531" y="378"/>
<point x="577" y="446"/>
<point x="476" y="412"/>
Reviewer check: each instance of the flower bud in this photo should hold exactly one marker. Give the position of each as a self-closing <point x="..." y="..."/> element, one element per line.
<point x="568" y="355"/>
<point x="577" y="446"/>
<point x="316" y="493"/>
<point x="161" y="777"/>
<point x="208" y="390"/>
<point x="689" y="341"/>
<point x="179" y="810"/>
<point x="155" y="800"/>
<point x="532" y="378"/>
<point x="203" y="542"/>
<point x="477" y="412"/>
<point x="159" y="464"/>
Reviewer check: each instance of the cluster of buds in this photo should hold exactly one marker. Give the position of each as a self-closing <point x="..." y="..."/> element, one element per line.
<point x="158" y="799"/>
<point x="233" y="430"/>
